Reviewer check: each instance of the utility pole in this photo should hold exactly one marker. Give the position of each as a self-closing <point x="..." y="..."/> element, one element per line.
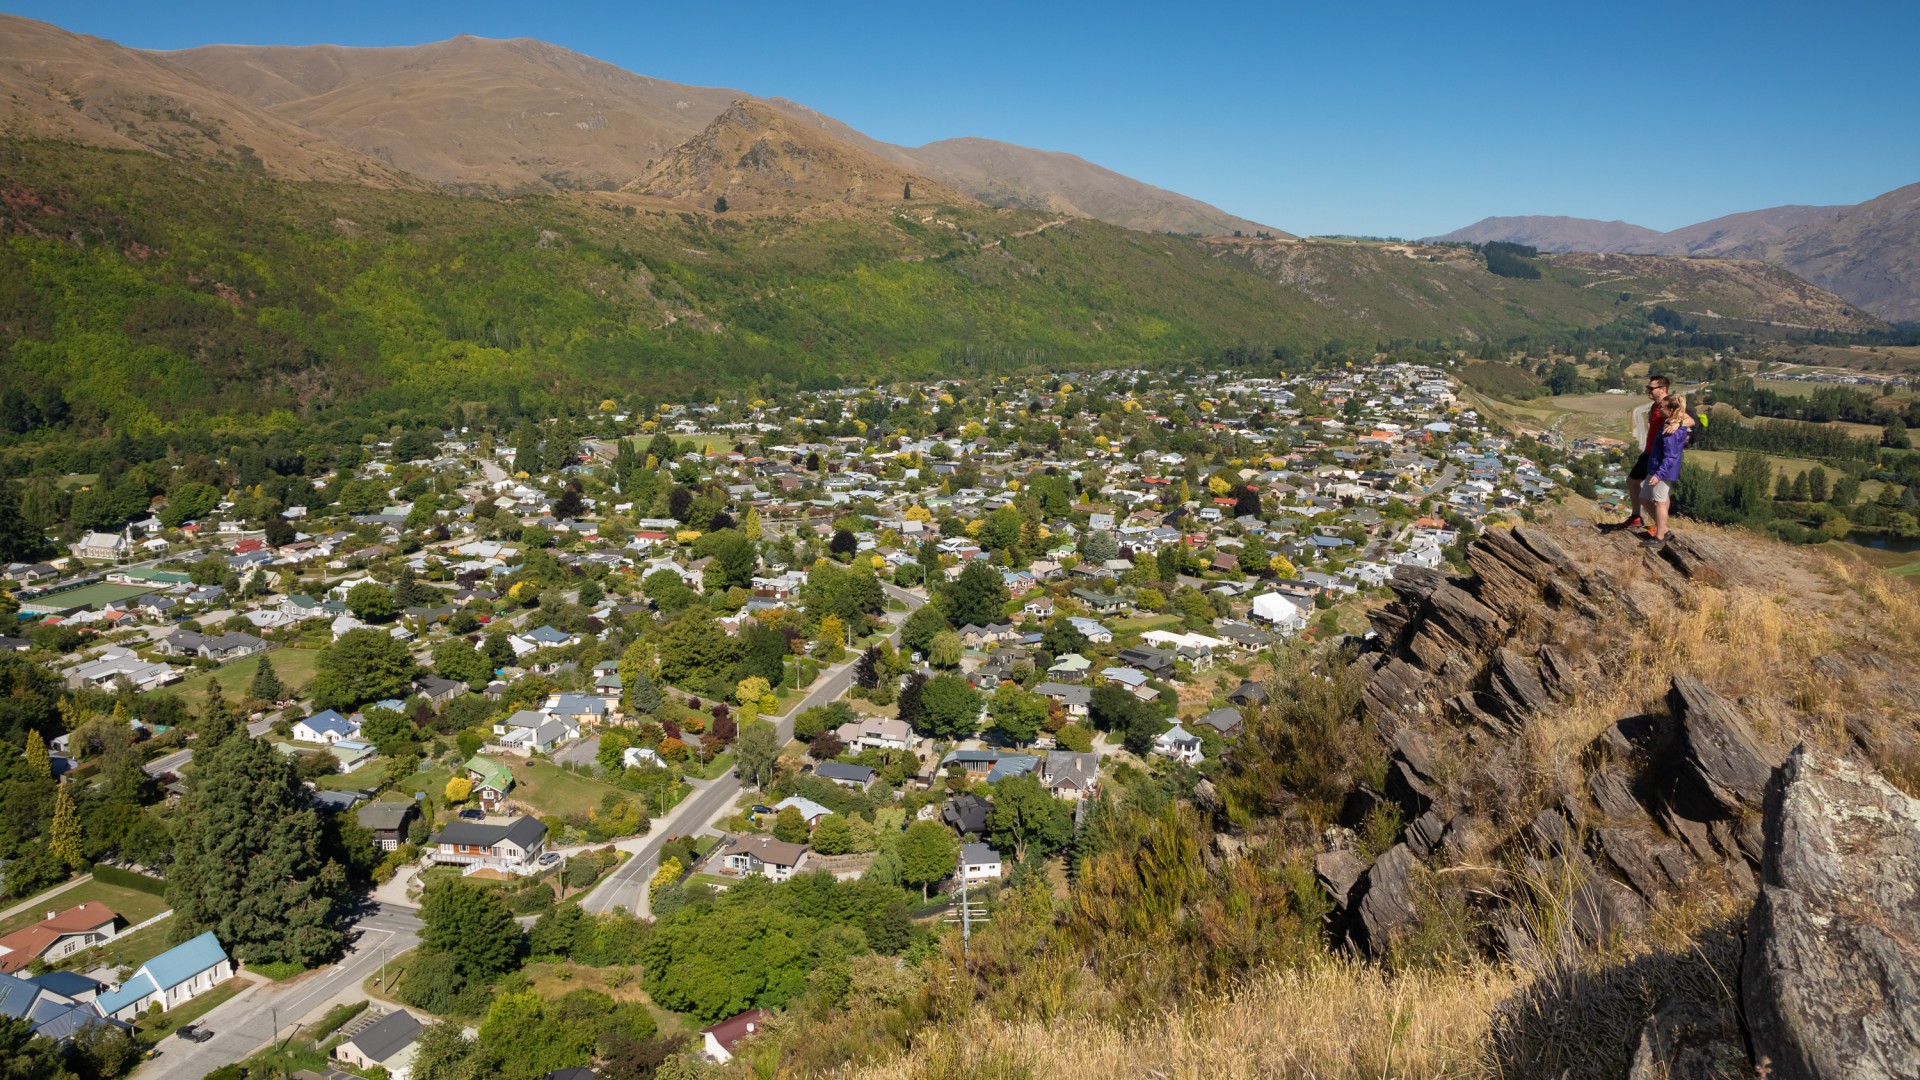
<point x="966" y="915"/>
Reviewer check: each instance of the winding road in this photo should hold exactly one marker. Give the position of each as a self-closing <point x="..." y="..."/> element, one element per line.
<point x="627" y="886"/>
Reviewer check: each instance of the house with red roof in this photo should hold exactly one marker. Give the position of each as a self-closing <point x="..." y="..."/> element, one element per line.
<point x="719" y="1040"/>
<point x="57" y="936"/>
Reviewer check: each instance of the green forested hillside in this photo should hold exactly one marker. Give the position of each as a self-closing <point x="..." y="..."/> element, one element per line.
<point x="138" y="294"/>
<point x="148" y="291"/>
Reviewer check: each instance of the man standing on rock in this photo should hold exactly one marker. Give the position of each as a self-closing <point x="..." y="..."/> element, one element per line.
<point x="1648" y="422"/>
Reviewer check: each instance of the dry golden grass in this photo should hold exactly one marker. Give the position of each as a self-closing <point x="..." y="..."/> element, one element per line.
<point x="1326" y="1021"/>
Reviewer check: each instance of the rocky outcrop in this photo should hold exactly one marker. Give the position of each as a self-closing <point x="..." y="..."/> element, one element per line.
<point x="1686" y="1039"/>
<point x="1385" y="911"/>
<point x="1831" y="982"/>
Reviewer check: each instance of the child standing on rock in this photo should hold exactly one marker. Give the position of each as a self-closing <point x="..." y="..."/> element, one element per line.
<point x="1663" y="466"/>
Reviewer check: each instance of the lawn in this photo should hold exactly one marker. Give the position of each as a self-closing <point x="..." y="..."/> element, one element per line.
<point x="127" y="950"/>
<point x="554" y="792"/>
<point x="131" y="905"/>
<point x="153" y="1030"/>
<point x="718" y="767"/>
<point x="432" y="781"/>
<point x="365" y="778"/>
<point x="1140" y="624"/>
<point x="294" y="666"/>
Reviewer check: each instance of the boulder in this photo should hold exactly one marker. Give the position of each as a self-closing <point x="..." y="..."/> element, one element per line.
<point x="1385" y="911"/>
<point x="1701" y="560"/>
<point x="1338" y="872"/>
<point x="1722" y="756"/>
<point x="1831" y="975"/>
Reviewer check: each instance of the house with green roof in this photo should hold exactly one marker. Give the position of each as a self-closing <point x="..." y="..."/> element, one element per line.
<point x="492" y="780"/>
<point x="171" y="979"/>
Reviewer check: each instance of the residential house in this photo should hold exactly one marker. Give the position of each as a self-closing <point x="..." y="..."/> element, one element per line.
<point x="1100" y="603"/>
<point x="105" y="672"/>
<point x="514" y="846"/>
<point x="1073" y="700"/>
<point x="530" y="732"/>
<point x="875" y="733"/>
<point x="1277" y="611"/>
<point x="857" y="777"/>
<point x="979" y="863"/>
<point x="325" y="727"/>
<point x="719" y="1040"/>
<point x="1070" y="775"/>
<point x="1226" y="721"/>
<point x="990" y="765"/>
<point x="437" y="690"/>
<point x="59" y="935"/>
<point x="388" y="821"/>
<point x="1157" y="663"/>
<point x="1248" y="693"/>
<point x="811" y="812"/>
<point x="388" y="1043"/>
<point x="966" y="814"/>
<point x="1091" y="630"/>
<point x="1070" y="668"/>
<point x="492" y="781"/>
<point x="1178" y="744"/>
<point x="582" y="710"/>
<point x="170" y="980"/>
<point x="52" y="1006"/>
<point x="774" y="859"/>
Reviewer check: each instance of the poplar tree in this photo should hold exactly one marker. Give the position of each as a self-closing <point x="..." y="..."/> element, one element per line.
<point x="63" y="839"/>
<point x="39" y="762"/>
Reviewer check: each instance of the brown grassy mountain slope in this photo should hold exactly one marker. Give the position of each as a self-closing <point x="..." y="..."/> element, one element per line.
<point x="1554" y="233"/>
<point x="485" y="115"/>
<point x="760" y="159"/>
<point x="473" y="114"/>
<point x="58" y="85"/>
<point x="1869" y="253"/>
<point x="1002" y="174"/>
<point x="1449" y="292"/>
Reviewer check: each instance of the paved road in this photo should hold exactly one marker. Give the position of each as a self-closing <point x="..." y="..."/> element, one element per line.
<point x="626" y="887"/>
<point x="33" y="902"/>
<point x="245" y="1024"/>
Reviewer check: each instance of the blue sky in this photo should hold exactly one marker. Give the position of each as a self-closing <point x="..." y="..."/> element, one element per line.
<point x="1390" y="119"/>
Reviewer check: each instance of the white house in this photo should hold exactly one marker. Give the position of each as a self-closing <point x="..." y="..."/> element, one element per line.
<point x="171" y="979"/>
<point x="875" y="733"/>
<point x="98" y="545"/>
<point x="389" y="1043"/>
<point x="1180" y="745"/>
<point x="1274" y="610"/>
<point x="979" y="863"/>
<point x="325" y="727"/>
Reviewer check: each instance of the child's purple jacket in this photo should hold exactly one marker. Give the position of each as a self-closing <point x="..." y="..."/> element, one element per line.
<point x="1664" y="462"/>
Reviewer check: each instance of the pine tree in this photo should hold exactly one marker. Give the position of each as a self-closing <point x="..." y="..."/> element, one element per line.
<point x="39" y="763"/>
<point x="266" y="682"/>
<point x="247" y="858"/>
<point x="63" y="839"/>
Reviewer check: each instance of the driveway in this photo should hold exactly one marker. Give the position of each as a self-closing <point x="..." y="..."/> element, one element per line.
<point x="627" y="886"/>
<point x="267" y="1010"/>
<point x="579" y="752"/>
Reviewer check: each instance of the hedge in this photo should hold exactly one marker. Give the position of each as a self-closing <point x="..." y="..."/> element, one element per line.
<point x="114" y="875"/>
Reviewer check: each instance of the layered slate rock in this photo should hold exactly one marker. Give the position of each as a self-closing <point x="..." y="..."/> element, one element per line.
<point x="1831" y="980"/>
<point x="1386" y="912"/>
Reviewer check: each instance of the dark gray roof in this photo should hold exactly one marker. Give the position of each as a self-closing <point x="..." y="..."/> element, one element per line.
<point x="975" y="854"/>
<point x="839" y="770"/>
<point x="524" y="831"/>
<point x="389" y="1036"/>
<point x="385" y="815"/>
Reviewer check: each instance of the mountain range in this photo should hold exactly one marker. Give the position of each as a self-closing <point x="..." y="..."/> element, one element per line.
<point x="490" y="117"/>
<point x="1868" y="253"/>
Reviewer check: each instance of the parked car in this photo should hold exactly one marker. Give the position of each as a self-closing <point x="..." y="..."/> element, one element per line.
<point x="549" y="858"/>
<point x="473" y="815"/>
<point x="194" y="1032"/>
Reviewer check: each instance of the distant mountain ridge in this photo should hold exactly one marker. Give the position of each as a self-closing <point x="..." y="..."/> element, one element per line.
<point x="1868" y="253"/>
<point x="482" y="116"/>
